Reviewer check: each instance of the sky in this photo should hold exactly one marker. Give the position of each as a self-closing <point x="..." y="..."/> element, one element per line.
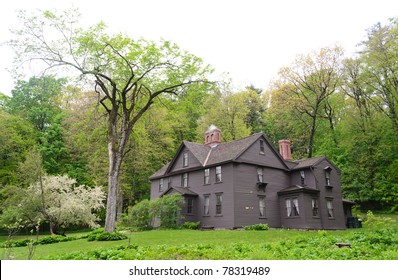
<point x="250" y="40"/>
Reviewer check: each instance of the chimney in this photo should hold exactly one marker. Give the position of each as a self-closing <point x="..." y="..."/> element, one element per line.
<point x="284" y="149"/>
<point x="212" y="136"/>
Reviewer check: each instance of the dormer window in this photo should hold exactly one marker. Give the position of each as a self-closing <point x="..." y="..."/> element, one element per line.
<point x="185" y="159"/>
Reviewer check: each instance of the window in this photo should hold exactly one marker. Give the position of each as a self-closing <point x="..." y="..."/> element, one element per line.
<point x="189" y="205"/>
<point x="292" y="207"/>
<point x="218" y="174"/>
<point x="161" y="184"/>
<point x="169" y="182"/>
<point x="302" y="177"/>
<point x="206" y="205"/>
<point x="207" y="176"/>
<point x="185" y="159"/>
<point x="184" y="182"/>
<point x="315" y="212"/>
<point x="218" y="204"/>
<point x="261" y="204"/>
<point x="327" y="176"/>
<point x="260" y="175"/>
<point x="329" y="205"/>
<point x="262" y="150"/>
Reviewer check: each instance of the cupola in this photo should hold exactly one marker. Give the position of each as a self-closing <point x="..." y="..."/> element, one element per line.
<point x="212" y="136"/>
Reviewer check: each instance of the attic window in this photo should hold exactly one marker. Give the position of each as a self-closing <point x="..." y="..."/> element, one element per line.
<point x="328" y="170"/>
<point x="262" y="150"/>
<point x="185" y="159"/>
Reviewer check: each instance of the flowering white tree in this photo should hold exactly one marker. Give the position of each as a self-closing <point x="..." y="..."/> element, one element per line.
<point x="58" y="200"/>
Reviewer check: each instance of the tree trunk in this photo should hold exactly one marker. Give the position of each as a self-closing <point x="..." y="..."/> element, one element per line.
<point x="116" y="146"/>
<point x="113" y="185"/>
<point x="119" y="205"/>
<point x="312" y="136"/>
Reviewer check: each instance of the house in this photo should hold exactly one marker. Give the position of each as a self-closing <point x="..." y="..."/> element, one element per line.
<point x="246" y="182"/>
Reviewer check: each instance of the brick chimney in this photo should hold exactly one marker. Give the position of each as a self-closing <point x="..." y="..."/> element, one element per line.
<point x="284" y="149"/>
<point x="212" y="136"/>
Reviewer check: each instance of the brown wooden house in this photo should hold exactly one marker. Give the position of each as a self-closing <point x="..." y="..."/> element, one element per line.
<point x="246" y="182"/>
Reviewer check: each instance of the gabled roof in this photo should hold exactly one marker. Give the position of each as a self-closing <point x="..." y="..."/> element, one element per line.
<point x="310" y="162"/>
<point x="180" y="190"/>
<point x="298" y="188"/>
<point x="221" y="153"/>
<point x="231" y="150"/>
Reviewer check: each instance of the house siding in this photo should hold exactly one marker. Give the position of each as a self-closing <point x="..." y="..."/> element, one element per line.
<point x="247" y="195"/>
<point x="240" y="191"/>
<point x="334" y="194"/>
<point x="177" y="165"/>
<point x="269" y="158"/>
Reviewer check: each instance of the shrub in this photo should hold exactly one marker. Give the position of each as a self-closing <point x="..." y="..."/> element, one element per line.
<point x="370" y="220"/>
<point x="191" y="225"/>
<point x="101" y="235"/>
<point x="45" y="240"/>
<point x="167" y="209"/>
<point x="257" y="227"/>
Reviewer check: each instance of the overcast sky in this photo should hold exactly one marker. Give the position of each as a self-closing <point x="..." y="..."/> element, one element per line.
<point x="248" y="39"/>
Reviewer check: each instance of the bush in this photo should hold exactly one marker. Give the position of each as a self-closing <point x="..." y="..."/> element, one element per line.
<point x="45" y="240"/>
<point x="191" y="225"/>
<point x="101" y="235"/>
<point x="370" y="220"/>
<point x="167" y="209"/>
<point x="257" y="227"/>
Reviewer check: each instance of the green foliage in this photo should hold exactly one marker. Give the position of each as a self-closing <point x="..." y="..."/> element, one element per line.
<point x="42" y="241"/>
<point x="17" y="137"/>
<point x="378" y="244"/>
<point x="373" y="221"/>
<point x="166" y="208"/>
<point x="140" y="215"/>
<point x="191" y="225"/>
<point x="256" y="227"/>
<point x="101" y="235"/>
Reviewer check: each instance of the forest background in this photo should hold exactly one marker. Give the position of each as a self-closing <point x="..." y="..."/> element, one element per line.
<point x="324" y="102"/>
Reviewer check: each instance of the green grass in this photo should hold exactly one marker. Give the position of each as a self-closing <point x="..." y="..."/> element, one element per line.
<point x="371" y="242"/>
<point x="175" y="240"/>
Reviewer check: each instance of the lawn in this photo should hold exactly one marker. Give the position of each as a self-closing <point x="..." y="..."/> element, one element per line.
<point x="224" y="244"/>
<point x="375" y="241"/>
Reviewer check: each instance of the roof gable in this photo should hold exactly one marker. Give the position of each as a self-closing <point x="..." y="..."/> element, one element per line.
<point x="236" y="150"/>
<point x="197" y="155"/>
<point x="270" y="157"/>
<point x="311" y="162"/>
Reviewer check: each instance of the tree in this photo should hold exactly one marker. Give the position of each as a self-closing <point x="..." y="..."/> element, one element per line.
<point x="313" y="79"/>
<point x="17" y="137"/>
<point x="55" y="200"/>
<point x="380" y="54"/>
<point x="129" y="75"/>
<point x="61" y="203"/>
<point x="36" y="100"/>
<point x="229" y="112"/>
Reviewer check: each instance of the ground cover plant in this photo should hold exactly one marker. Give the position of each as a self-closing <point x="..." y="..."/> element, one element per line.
<point x="371" y="242"/>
